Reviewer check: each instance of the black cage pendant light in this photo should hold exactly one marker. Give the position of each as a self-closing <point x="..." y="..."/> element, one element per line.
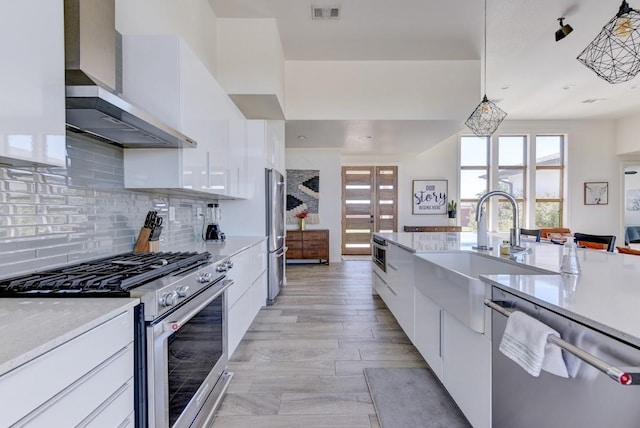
<point x="614" y="54"/>
<point x="486" y="118"/>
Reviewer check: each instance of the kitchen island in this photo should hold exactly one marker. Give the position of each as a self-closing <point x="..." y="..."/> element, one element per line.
<point x="452" y="328"/>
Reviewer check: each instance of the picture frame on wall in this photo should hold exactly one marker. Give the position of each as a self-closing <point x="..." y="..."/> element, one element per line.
<point x="596" y="193"/>
<point x="429" y="197"/>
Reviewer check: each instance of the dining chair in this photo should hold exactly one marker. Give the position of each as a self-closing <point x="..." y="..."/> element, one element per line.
<point x="545" y="231"/>
<point x="597" y="242"/>
<point x="627" y="250"/>
<point x="536" y="233"/>
<point x="631" y="235"/>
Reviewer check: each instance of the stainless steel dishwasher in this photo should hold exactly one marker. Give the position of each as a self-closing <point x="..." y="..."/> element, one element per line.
<point x="591" y="399"/>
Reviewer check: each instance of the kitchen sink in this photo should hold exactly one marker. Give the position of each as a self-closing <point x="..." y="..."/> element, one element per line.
<point x="452" y="280"/>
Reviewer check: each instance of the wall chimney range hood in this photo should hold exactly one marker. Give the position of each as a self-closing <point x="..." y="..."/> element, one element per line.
<point x="93" y="78"/>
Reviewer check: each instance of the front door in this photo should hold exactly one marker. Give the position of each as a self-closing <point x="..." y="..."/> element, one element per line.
<point x="369" y="204"/>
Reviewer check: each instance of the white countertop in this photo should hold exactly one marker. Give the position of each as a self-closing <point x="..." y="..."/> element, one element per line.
<point x="231" y="246"/>
<point x="31" y="327"/>
<point x="605" y="296"/>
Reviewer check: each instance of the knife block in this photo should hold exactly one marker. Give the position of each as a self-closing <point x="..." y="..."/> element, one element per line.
<point x="143" y="244"/>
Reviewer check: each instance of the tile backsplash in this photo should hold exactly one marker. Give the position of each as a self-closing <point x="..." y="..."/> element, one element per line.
<point x="53" y="216"/>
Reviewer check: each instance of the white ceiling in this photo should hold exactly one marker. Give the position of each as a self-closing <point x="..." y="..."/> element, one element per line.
<point x="533" y="76"/>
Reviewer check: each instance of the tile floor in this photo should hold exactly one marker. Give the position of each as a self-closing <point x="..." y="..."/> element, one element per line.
<point x="301" y="362"/>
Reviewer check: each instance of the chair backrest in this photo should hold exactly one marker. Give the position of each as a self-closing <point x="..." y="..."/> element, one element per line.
<point x="627" y="250"/>
<point x="545" y="231"/>
<point x="537" y="233"/>
<point x="599" y="242"/>
<point x="631" y="235"/>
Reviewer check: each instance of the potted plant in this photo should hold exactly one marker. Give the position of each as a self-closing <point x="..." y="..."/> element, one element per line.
<point x="452" y="208"/>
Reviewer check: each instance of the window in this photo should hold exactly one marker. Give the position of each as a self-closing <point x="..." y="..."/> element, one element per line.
<point x="474" y="175"/>
<point x="549" y="154"/>
<point x="502" y="163"/>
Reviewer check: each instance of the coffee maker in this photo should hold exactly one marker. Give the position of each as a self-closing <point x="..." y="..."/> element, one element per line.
<point x="213" y="216"/>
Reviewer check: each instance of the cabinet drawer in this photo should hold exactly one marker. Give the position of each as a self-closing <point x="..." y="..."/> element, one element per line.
<point x="115" y="411"/>
<point x="315" y="254"/>
<point x="294" y="235"/>
<point x="315" y="236"/>
<point x="294" y="245"/>
<point x="294" y="254"/>
<point x="315" y="244"/>
<point x="59" y="368"/>
<point x="77" y="402"/>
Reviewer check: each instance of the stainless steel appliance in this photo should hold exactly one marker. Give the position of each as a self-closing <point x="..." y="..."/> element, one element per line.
<point x="598" y="395"/>
<point x="275" y="205"/>
<point x="94" y="103"/>
<point x="379" y="253"/>
<point x="181" y="333"/>
<point x="213" y="217"/>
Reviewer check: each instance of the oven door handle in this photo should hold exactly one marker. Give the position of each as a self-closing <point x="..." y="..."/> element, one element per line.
<point x="382" y="247"/>
<point x="173" y="326"/>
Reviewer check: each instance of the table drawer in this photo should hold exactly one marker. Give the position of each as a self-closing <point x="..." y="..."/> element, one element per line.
<point x="315" y="245"/>
<point x="294" y="254"/>
<point x="293" y="235"/>
<point x="315" y="236"/>
<point x="294" y="245"/>
<point x="315" y="254"/>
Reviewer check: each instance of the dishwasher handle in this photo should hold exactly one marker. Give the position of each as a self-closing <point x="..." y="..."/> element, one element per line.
<point x="629" y="377"/>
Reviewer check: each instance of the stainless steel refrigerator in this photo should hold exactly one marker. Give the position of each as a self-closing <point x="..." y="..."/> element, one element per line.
<point x="275" y="204"/>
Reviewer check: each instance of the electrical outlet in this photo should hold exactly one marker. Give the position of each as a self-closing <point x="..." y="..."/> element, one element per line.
<point x="172" y="213"/>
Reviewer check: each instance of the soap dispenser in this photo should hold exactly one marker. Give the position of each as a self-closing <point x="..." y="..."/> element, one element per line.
<point x="570" y="263"/>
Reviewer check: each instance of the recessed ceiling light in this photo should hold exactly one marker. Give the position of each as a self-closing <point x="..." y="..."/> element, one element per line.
<point x="593" y="100"/>
<point x="302" y="137"/>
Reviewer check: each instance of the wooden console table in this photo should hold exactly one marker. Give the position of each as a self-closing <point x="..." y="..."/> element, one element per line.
<point x="308" y="245"/>
<point x="433" y="228"/>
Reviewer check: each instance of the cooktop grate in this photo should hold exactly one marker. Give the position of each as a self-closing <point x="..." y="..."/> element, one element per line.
<point x="111" y="276"/>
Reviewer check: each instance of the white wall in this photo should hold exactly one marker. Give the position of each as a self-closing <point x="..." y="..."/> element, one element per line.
<point x="250" y="57"/>
<point x="327" y="161"/>
<point x="193" y="20"/>
<point x="381" y="90"/>
<point x="627" y="133"/>
<point x="591" y="157"/>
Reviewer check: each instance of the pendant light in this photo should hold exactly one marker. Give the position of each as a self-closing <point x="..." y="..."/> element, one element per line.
<point x="486" y="118"/>
<point x="614" y="54"/>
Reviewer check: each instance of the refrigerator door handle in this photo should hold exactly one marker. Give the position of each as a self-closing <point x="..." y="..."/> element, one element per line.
<point x="281" y="252"/>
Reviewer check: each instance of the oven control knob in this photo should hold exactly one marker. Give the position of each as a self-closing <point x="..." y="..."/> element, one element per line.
<point x="229" y="264"/>
<point x="169" y="299"/>
<point x="203" y="278"/>
<point x="182" y="291"/>
<point x="221" y="268"/>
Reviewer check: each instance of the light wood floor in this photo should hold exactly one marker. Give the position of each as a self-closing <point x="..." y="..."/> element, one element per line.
<point x="301" y="362"/>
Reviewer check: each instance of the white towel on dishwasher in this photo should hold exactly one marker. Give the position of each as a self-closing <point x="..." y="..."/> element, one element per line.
<point x="525" y="342"/>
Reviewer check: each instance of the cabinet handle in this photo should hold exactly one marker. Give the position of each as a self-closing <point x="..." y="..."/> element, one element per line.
<point x="440" y="342"/>
<point x="392" y="290"/>
<point x="392" y="266"/>
<point x="381" y="278"/>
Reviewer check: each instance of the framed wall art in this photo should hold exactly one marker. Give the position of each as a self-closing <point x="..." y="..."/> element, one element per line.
<point x="596" y="193"/>
<point x="429" y="197"/>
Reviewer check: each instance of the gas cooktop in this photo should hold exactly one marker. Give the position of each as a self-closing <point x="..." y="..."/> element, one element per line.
<point x="113" y="276"/>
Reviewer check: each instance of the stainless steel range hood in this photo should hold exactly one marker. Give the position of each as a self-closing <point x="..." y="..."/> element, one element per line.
<point x="93" y="72"/>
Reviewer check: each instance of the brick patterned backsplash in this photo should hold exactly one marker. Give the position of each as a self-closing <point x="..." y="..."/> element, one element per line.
<point x="53" y="216"/>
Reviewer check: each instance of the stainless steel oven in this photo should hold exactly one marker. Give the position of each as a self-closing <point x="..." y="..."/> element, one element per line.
<point x="379" y="252"/>
<point x="187" y="358"/>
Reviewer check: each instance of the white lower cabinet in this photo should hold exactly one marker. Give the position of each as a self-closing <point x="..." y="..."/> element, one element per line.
<point x="428" y="340"/>
<point x="467" y="370"/>
<point x="400" y="282"/>
<point x="248" y="293"/>
<point x="87" y="379"/>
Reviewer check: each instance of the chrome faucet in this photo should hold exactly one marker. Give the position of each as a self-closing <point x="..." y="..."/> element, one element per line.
<point x="514" y="236"/>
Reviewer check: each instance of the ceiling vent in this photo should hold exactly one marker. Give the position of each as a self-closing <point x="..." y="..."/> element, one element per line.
<point x="325" y="12"/>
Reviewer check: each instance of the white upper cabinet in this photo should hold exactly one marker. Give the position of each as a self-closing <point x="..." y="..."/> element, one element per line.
<point x="164" y="76"/>
<point x="32" y="106"/>
<point x="267" y="137"/>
